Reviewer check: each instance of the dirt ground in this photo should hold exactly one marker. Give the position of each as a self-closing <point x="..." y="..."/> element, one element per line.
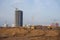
<point x="28" y="34"/>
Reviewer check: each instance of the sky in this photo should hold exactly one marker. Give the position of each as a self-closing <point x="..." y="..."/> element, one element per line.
<point x="43" y="12"/>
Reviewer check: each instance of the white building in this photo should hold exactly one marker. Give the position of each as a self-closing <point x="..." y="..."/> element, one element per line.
<point x="13" y="25"/>
<point x="5" y="25"/>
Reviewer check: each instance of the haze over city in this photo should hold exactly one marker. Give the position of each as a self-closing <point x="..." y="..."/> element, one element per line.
<point x="44" y="11"/>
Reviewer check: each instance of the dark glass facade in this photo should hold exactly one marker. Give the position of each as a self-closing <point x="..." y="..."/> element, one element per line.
<point x="19" y="18"/>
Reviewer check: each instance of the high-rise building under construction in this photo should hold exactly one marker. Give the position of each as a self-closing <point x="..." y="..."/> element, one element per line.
<point x="18" y="17"/>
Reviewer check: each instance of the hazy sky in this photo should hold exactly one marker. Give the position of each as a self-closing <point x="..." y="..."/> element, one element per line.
<point x="44" y="11"/>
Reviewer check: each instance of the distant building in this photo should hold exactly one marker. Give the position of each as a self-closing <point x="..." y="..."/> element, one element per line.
<point x="5" y="25"/>
<point x="13" y="25"/>
<point x="18" y="17"/>
<point x="57" y="24"/>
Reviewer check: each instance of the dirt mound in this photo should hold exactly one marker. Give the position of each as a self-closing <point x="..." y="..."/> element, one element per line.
<point x="10" y="32"/>
<point x="13" y="32"/>
<point x="28" y="34"/>
<point x="36" y="33"/>
<point x="51" y="33"/>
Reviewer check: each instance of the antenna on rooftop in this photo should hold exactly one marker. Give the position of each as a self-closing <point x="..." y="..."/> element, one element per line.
<point x="16" y="9"/>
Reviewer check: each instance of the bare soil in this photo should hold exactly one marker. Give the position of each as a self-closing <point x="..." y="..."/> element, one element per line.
<point x="28" y="34"/>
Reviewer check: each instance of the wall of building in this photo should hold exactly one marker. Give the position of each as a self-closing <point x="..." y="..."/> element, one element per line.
<point x="19" y="18"/>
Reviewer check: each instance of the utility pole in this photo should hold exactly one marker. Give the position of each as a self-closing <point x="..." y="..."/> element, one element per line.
<point x="32" y="20"/>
